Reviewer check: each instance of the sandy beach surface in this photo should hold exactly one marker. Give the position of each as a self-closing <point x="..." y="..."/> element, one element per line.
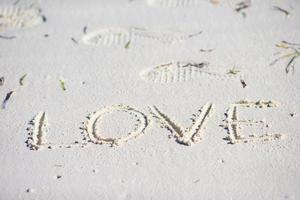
<point x="149" y="99"/>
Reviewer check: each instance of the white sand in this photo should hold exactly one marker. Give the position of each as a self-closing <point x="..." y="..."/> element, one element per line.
<point x="147" y="56"/>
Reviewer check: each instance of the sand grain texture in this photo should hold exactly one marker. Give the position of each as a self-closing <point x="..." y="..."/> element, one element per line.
<point x="113" y="91"/>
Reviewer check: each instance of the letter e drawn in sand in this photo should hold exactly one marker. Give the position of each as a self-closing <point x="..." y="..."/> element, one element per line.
<point x="233" y="123"/>
<point x="187" y="136"/>
<point x="90" y="126"/>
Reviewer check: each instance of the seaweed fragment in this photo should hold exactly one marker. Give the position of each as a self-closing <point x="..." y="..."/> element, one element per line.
<point x="21" y="80"/>
<point x="127" y="45"/>
<point x="243" y="83"/>
<point x="74" y="40"/>
<point x="242" y="6"/>
<point x="291" y="51"/>
<point x="84" y="29"/>
<point x="291" y="64"/>
<point x="2" y="80"/>
<point x="206" y="50"/>
<point x="290" y="43"/>
<point x="233" y="71"/>
<point x="198" y="65"/>
<point x="7" y="97"/>
<point x="7" y="37"/>
<point x="287" y="13"/>
<point x="194" y="34"/>
<point x="44" y="18"/>
<point x="62" y="84"/>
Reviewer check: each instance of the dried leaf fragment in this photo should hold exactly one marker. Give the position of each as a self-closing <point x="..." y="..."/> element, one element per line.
<point x="62" y="84"/>
<point x="127" y="45"/>
<point x="21" y="80"/>
<point x="7" y="97"/>
<point x="2" y="80"/>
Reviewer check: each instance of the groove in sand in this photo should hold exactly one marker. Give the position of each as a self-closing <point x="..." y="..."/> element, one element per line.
<point x="92" y="133"/>
<point x="37" y="131"/>
<point x="233" y="123"/>
<point x="186" y="136"/>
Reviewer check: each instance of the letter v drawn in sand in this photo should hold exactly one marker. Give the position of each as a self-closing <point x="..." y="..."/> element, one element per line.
<point x="90" y="126"/>
<point x="121" y="36"/>
<point x="19" y="17"/>
<point x="181" y="71"/>
<point x="186" y="136"/>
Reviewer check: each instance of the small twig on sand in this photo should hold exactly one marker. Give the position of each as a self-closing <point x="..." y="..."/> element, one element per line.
<point x="127" y="45"/>
<point x="206" y="50"/>
<point x="233" y="71"/>
<point x="73" y="39"/>
<point x="290" y="43"/>
<point x="7" y="97"/>
<point x="291" y="64"/>
<point x="44" y="18"/>
<point x="7" y="37"/>
<point x="84" y="29"/>
<point x="194" y="34"/>
<point x="281" y="10"/>
<point x="62" y="84"/>
<point x="243" y="83"/>
<point x="198" y="65"/>
<point x="2" y="80"/>
<point x="22" y="79"/>
<point x="242" y="5"/>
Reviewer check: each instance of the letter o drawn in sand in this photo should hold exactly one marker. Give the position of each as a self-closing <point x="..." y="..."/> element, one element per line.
<point x="94" y="135"/>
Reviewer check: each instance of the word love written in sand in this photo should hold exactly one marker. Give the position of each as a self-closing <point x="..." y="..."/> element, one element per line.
<point x="37" y="131"/>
